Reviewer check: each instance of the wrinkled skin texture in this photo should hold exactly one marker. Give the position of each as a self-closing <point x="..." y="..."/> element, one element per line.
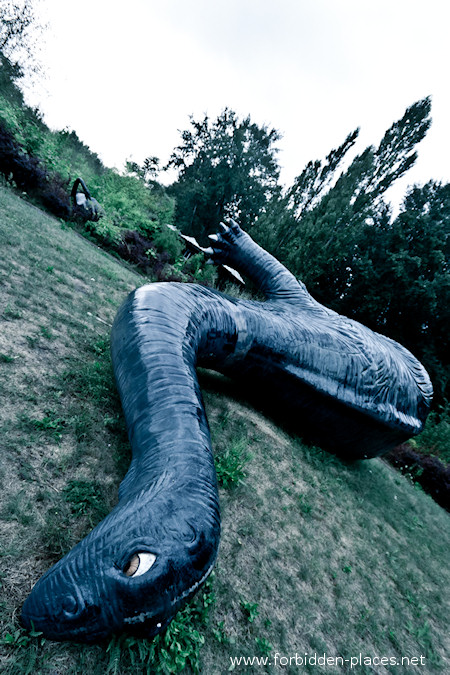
<point x="354" y="391"/>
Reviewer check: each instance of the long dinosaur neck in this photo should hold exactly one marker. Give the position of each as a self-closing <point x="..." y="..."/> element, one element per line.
<point x="154" y="347"/>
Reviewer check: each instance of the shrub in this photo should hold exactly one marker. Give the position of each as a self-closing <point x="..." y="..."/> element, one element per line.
<point x="55" y="197"/>
<point x="435" y="438"/>
<point x="131" y="204"/>
<point x="31" y="175"/>
<point x="426" y="470"/>
<point x="136" y="249"/>
<point x="168" y="241"/>
<point x="25" y="170"/>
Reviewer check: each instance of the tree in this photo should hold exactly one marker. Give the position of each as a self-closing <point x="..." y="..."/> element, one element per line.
<point x="324" y="212"/>
<point x="308" y="189"/>
<point x="401" y="280"/>
<point x="225" y="167"/>
<point x="397" y="279"/>
<point x="148" y="172"/>
<point x="19" y="30"/>
<point x="316" y="178"/>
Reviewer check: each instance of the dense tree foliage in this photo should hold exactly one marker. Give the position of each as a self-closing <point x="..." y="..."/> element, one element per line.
<point x="320" y="214"/>
<point x="225" y="167"/>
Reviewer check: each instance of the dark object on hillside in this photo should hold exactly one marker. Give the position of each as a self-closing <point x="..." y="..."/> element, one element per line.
<point x="84" y="206"/>
<point x="354" y="391"/>
<point x="428" y="471"/>
<point x="55" y="198"/>
<point x="137" y="250"/>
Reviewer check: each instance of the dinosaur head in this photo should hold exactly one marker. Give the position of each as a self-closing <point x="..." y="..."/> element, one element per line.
<point x="131" y="573"/>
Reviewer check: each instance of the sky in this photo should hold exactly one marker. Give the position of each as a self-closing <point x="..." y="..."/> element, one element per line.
<point x="126" y="75"/>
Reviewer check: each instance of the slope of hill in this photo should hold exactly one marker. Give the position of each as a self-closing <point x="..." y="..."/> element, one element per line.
<point x="318" y="557"/>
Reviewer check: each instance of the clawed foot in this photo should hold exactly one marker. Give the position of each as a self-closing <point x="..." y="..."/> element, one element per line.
<point x="223" y="244"/>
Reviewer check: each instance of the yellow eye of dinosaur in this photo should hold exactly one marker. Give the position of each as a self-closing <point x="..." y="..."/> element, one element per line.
<point x="139" y="563"/>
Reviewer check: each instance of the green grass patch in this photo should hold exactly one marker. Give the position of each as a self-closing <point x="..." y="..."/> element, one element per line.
<point x="86" y="498"/>
<point x="230" y="464"/>
<point x="174" y="651"/>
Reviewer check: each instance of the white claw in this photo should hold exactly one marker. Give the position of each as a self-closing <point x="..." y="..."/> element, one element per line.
<point x="225" y="227"/>
<point x="208" y="251"/>
<point x="213" y="237"/>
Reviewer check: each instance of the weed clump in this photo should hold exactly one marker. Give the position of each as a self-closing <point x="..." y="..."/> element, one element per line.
<point x="426" y="470"/>
<point x="230" y="464"/>
<point x="172" y="651"/>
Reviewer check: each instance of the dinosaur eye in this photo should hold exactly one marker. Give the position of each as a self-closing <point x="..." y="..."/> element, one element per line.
<point x="139" y="563"/>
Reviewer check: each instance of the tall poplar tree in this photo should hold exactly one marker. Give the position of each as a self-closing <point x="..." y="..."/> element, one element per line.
<point x="321" y="214"/>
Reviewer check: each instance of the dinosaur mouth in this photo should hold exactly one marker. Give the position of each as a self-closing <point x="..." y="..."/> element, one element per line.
<point x="146" y="616"/>
<point x="56" y="631"/>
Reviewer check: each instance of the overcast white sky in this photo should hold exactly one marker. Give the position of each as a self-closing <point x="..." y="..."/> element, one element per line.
<point x="125" y="75"/>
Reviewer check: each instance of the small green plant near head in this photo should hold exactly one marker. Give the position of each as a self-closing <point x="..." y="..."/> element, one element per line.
<point x="24" y="649"/>
<point x="20" y="638"/>
<point x="172" y="651"/>
<point x="230" y="464"/>
<point x="263" y="646"/>
<point x="250" y="610"/>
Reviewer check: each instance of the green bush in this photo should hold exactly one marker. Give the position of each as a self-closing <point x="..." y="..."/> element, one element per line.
<point x="166" y="239"/>
<point x="435" y="438"/>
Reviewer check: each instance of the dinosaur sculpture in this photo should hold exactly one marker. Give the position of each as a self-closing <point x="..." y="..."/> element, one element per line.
<point x="84" y="206"/>
<point x="356" y="392"/>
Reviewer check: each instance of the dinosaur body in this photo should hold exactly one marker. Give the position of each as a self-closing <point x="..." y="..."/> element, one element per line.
<point x="350" y="389"/>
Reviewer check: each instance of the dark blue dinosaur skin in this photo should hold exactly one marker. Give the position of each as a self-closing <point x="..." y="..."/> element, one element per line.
<point x="354" y="391"/>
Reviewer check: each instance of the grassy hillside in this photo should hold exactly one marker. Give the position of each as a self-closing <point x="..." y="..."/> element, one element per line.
<point x="317" y="556"/>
